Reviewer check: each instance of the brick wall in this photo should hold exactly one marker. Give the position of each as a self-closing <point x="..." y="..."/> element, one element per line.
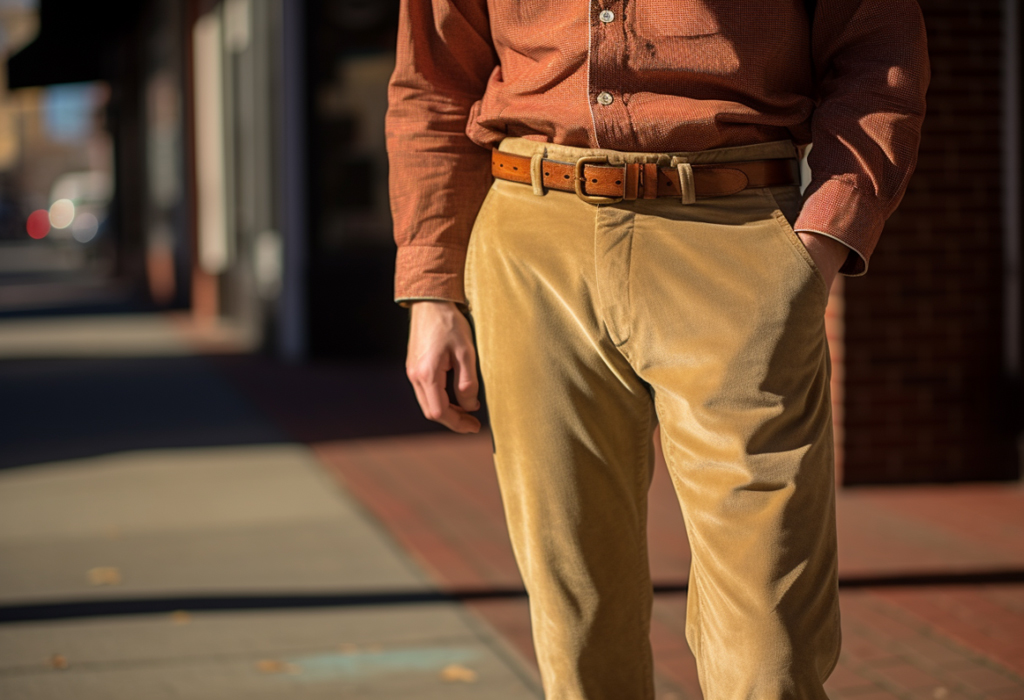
<point x="923" y="397"/>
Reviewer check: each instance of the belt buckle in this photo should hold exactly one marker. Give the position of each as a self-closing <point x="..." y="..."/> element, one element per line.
<point x="578" y="180"/>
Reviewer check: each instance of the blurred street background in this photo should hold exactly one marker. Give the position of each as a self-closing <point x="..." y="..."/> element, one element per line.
<point x="215" y="482"/>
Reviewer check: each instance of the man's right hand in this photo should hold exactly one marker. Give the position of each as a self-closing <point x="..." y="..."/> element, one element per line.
<point x="440" y="340"/>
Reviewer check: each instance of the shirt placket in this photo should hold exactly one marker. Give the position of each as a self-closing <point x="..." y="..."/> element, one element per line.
<point x="609" y="104"/>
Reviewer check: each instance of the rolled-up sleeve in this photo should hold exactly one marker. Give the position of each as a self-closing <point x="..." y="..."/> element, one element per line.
<point x="438" y="177"/>
<point x="872" y="71"/>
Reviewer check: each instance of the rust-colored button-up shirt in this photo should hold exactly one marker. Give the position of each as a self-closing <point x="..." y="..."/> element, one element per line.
<point x="683" y="75"/>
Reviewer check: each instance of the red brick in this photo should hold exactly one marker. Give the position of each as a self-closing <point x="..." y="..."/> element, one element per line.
<point x="857" y="650"/>
<point x="1011" y="694"/>
<point x="883" y="624"/>
<point x="929" y="652"/>
<point x="984" y="679"/>
<point x="875" y="695"/>
<point x="906" y="677"/>
<point x="939" y="611"/>
<point x="940" y="692"/>
<point x="844" y="679"/>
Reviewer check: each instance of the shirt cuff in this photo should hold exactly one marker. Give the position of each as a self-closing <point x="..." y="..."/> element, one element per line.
<point x="429" y="272"/>
<point x="837" y="208"/>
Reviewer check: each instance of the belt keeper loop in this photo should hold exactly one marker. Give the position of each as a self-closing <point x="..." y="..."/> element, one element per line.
<point x="537" y="174"/>
<point x="687" y="190"/>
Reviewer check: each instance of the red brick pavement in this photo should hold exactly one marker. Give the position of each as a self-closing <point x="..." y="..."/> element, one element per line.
<point x="438" y="497"/>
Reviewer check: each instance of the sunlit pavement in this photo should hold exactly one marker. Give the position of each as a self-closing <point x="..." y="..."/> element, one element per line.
<point x="226" y="527"/>
<point x="161" y="538"/>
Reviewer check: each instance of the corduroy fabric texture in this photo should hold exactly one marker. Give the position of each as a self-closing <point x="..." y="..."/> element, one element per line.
<point x="648" y="75"/>
<point x="592" y="324"/>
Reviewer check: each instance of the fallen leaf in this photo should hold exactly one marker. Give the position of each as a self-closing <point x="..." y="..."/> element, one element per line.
<point x="275" y="666"/>
<point x="58" y="661"/>
<point x="180" y="617"/>
<point x="456" y="673"/>
<point x="104" y="576"/>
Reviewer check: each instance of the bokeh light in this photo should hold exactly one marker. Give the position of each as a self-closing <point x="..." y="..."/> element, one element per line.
<point x="85" y="227"/>
<point x="38" y="224"/>
<point x="62" y="213"/>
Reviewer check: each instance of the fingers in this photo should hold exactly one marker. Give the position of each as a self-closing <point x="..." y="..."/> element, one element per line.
<point x="429" y="385"/>
<point x="459" y="420"/>
<point x="466" y="385"/>
<point x="440" y="340"/>
<point x="434" y="395"/>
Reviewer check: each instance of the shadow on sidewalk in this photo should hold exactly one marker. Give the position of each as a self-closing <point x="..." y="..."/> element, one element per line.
<point x="285" y="601"/>
<point x="323" y="402"/>
<point x="70" y="408"/>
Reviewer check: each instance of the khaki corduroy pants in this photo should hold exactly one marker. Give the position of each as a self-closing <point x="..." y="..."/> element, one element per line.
<point x="594" y="324"/>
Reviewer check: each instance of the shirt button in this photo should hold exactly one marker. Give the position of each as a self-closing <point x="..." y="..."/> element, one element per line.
<point x="606" y="16"/>
<point x="605" y="98"/>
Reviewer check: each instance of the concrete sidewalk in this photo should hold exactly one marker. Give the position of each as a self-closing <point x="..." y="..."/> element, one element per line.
<point x="163" y="564"/>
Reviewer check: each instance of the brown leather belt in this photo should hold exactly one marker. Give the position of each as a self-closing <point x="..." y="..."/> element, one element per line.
<point x="595" y="181"/>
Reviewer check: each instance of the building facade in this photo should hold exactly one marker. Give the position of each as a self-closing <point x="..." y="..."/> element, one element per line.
<point x="251" y="183"/>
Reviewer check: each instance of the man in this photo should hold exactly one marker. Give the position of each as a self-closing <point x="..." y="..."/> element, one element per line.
<point x="637" y="251"/>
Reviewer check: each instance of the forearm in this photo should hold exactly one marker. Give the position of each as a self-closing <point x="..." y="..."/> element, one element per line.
<point x="438" y="177"/>
<point x="872" y="67"/>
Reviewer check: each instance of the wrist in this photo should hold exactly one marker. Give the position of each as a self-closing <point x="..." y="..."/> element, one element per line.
<point x="834" y="249"/>
<point x="436" y="315"/>
<point x="828" y="254"/>
<point x="433" y="306"/>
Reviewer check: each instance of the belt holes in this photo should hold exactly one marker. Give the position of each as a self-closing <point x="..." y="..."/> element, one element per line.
<point x="501" y="165"/>
<point x="618" y="182"/>
<point x="515" y="167"/>
<point x="547" y="174"/>
<point x="566" y="177"/>
<point x="594" y="180"/>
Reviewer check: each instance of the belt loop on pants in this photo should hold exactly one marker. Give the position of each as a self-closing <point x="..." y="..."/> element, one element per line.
<point x="537" y="174"/>
<point x="687" y="189"/>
